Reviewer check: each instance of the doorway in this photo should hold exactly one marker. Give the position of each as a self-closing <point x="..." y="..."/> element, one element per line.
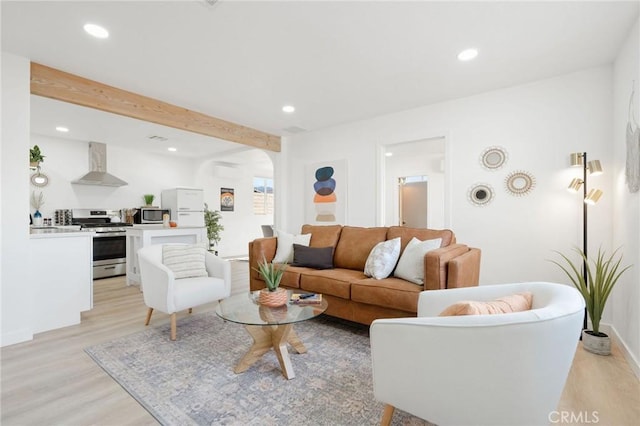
<point x="423" y="160"/>
<point x="414" y="205"/>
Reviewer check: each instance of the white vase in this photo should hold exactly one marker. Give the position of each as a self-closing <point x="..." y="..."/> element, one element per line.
<point x="600" y="345"/>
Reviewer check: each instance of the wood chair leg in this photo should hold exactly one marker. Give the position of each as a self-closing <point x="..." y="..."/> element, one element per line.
<point x="190" y="310"/>
<point x="387" y="414"/>
<point x="173" y="326"/>
<point x="149" y="312"/>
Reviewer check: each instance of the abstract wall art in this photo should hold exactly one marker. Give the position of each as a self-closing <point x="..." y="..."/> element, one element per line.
<point x="326" y="192"/>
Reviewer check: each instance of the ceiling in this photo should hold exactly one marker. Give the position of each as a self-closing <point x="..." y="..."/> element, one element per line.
<point x="336" y="62"/>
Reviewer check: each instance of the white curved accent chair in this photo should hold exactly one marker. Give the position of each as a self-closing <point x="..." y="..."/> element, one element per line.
<point x="506" y="369"/>
<point x="163" y="292"/>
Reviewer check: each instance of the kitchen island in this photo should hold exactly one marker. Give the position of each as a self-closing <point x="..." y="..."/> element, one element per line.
<point x="139" y="236"/>
<point x="60" y="269"/>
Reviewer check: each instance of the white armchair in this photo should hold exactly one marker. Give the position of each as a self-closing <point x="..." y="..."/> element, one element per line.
<point x="506" y="369"/>
<point x="163" y="292"/>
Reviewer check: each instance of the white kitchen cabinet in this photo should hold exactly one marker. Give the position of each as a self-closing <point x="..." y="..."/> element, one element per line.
<point x="139" y="236"/>
<point x="61" y="272"/>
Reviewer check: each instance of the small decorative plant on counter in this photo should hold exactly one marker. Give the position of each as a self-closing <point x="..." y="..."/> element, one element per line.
<point x="214" y="227"/>
<point x="603" y="273"/>
<point x="272" y="274"/>
<point x="148" y="199"/>
<point x="35" y="156"/>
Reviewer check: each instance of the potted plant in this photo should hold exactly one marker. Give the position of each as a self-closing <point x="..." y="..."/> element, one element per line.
<point x="148" y="199"/>
<point x="214" y="227"/>
<point x="273" y="295"/>
<point x="35" y="156"/>
<point x="602" y="274"/>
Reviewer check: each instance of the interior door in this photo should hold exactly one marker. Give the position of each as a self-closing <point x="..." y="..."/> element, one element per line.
<point x="413" y="204"/>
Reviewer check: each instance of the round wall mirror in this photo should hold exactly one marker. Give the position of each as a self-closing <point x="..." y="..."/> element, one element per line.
<point x="481" y="194"/>
<point x="493" y="158"/>
<point x="39" y="179"/>
<point x="520" y="183"/>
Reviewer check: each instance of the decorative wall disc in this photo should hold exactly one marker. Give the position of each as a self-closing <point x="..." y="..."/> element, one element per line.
<point x="520" y="182"/>
<point x="481" y="194"/>
<point x="39" y="179"/>
<point x="493" y="157"/>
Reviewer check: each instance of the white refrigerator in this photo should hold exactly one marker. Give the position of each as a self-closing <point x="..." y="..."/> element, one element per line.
<point x="186" y="205"/>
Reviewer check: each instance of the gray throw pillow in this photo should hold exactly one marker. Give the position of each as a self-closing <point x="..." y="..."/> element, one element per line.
<point x="312" y="257"/>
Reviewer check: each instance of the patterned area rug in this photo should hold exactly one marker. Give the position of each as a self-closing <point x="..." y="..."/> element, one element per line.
<point x="191" y="381"/>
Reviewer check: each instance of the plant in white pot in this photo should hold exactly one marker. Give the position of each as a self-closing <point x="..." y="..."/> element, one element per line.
<point x="273" y="295"/>
<point x="212" y="220"/>
<point x="602" y="273"/>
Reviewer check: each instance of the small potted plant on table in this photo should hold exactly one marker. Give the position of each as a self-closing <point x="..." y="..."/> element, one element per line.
<point x="602" y="275"/>
<point x="273" y="295"/>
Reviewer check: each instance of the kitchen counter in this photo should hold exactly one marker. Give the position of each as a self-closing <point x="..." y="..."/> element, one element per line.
<point x="139" y="236"/>
<point x="58" y="232"/>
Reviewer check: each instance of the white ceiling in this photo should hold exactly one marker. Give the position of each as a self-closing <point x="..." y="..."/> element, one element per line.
<point x="336" y="62"/>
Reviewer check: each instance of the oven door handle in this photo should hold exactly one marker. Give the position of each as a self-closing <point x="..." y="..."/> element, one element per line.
<point x="109" y="234"/>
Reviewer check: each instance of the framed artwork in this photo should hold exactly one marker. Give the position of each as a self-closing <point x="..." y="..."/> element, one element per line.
<point x="326" y="192"/>
<point x="227" y="199"/>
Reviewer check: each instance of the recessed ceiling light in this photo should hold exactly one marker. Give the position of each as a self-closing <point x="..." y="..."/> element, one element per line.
<point x="288" y="109"/>
<point x="388" y="154"/>
<point x="467" y="54"/>
<point x="172" y="149"/>
<point x="62" y="129"/>
<point x="96" y="30"/>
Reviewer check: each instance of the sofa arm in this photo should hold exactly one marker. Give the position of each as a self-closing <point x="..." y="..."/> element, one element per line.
<point x="436" y="265"/>
<point x="464" y="270"/>
<point x="259" y="248"/>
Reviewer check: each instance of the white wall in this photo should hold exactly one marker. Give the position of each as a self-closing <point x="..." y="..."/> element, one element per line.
<point x="539" y="125"/>
<point x="624" y="310"/>
<point x="16" y="293"/>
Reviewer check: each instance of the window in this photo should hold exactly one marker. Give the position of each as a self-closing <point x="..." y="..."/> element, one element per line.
<point x="262" y="195"/>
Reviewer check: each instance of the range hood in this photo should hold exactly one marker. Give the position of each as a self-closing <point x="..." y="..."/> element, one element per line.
<point x="98" y="168"/>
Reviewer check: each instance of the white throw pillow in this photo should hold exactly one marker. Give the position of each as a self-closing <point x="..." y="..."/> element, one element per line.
<point x="382" y="259"/>
<point x="186" y="261"/>
<point x="411" y="264"/>
<point x="284" y="249"/>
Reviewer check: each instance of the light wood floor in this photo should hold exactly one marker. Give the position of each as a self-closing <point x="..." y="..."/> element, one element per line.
<point x="51" y="381"/>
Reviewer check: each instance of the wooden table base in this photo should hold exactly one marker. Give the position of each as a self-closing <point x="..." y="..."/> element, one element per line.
<point x="267" y="337"/>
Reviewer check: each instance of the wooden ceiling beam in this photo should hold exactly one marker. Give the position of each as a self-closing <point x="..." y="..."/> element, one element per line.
<point x="55" y="84"/>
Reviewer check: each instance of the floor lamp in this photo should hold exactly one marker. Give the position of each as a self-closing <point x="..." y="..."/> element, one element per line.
<point x="590" y="197"/>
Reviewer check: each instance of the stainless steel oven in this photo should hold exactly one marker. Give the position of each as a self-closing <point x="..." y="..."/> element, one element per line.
<point x="109" y="242"/>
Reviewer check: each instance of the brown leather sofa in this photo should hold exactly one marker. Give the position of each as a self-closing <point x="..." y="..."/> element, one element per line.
<point x="354" y="296"/>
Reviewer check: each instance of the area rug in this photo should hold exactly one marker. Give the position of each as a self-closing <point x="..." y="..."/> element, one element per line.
<point x="191" y="381"/>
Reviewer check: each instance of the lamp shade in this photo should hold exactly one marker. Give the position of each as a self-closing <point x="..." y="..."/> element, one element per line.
<point x="594" y="167"/>
<point x="593" y="196"/>
<point x="575" y="185"/>
<point x="576" y="158"/>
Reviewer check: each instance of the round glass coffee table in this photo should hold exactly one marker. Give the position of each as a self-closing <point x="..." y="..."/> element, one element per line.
<point x="269" y="327"/>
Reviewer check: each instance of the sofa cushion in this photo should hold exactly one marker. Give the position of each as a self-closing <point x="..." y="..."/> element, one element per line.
<point x="322" y="235"/>
<point x="503" y="305"/>
<point x="411" y="264"/>
<point x="335" y="282"/>
<point x="406" y="234"/>
<point x="382" y="259"/>
<point x="284" y="250"/>
<point x="354" y="246"/>
<point x="313" y="257"/>
<point x="391" y="292"/>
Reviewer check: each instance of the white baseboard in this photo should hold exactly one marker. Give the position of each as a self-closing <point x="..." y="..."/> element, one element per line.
<point x="631" y="359"/>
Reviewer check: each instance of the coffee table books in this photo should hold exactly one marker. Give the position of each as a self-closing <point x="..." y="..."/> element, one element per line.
<point x="306" y="298"/>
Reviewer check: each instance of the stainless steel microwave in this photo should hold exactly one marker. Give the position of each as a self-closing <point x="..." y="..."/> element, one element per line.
<point x="150" y="215"/>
